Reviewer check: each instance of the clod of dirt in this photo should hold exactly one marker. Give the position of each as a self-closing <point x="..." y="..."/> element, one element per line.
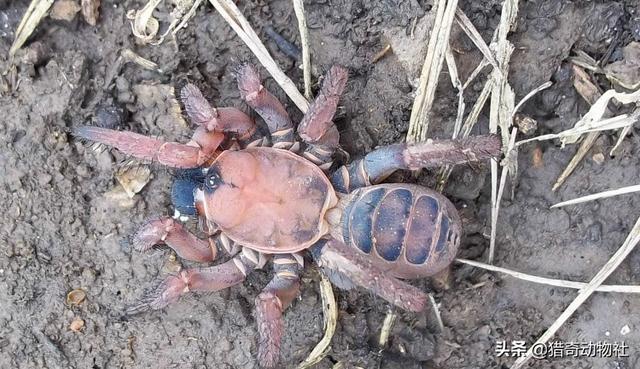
<point x="76" y="325"/>
<point x="64" y="10"/>
<point x="626" y="72"/>
<point x="160" y="108"/>
<point x="525" y="123"/>
<point x="601" y="27"/>
<point x="110" y="115"/>
<point x="90" y="11"/>
<point x="134" y="178"/>
<point x="75" y="297"/>
<point x="33" y="55"/>
<point x="534" y="62"/>
<point x="119" y="196"/>
<point x="410" y="342"/>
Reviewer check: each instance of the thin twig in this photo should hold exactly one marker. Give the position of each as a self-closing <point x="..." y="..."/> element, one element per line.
<point x="599" y="195"/>
<point x="35" y="12"/>
<point x="436" y="313"/>
<point x="387" y="325"/>
<point x="530" y="95"/>
<point x="510" y="156"/>
<point x="629" y="244"/>
<point x="502" y="104"/>
<point x="590" y="93"/>
<point x="549" y="281"/>
<point x="616" y="122"/>
<point x="455" y="81"/>
<point x="298" y="6"/>
<point x="438" y="45"/>
<point x="330" y="309"/>
<point x="623" y="133"/>
<point x="475" y="73"/>
<point x="380" y="54"/>
<point x="474" y="35"/>
<point x="468" y="125"/>
<point x="187" y="17"/>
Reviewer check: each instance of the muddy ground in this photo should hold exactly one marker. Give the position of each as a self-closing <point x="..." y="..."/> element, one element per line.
<point x="63" y="228"/>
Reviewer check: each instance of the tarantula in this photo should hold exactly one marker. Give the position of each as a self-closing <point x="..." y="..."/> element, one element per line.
<point x="273" y="197"/>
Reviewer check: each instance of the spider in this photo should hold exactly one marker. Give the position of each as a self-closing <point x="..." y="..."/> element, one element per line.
<point x="273" y="197"/>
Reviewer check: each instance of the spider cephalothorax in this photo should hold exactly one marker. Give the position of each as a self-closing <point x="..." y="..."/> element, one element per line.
<point x="274" y="197"/>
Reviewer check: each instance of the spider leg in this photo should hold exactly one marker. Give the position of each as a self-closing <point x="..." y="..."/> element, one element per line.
<point x="345" y="266"/>
<point x="200" y="150"/>
<point x="226" y="119"/>
<point x="266" y="105"/>
<point x="380" y="163"/>
<point x="317" y="128"/>
<point x="209" y="279"/>
<point x="171" y="232"/>
<point x="271" y="302"/>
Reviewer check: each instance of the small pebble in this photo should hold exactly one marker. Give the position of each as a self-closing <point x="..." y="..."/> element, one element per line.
<point x="76" y="325"/>
<point x="75" y="297"/>
<point x="625" y="330"/>
<point x="536" y="157"/>
<point x="598" y="158"/>
<point x="64" y="10"/>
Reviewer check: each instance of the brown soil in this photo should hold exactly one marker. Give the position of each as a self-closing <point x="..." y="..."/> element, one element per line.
<point x="62" y="229"/>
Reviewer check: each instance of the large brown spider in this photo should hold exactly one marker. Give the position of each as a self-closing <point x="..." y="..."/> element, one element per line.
<point x="274" y="197"/>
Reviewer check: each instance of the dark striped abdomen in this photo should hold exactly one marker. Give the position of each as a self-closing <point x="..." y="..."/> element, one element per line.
<point x="411" y="230"/>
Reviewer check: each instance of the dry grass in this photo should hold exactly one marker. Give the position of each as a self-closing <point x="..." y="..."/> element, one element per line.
<point x="35" y="12"/>
<point x="330" y="309"/>
<point x="298" y="6"/>
<point x="385" y="331"/>
<point x="243" y="29"/>
<point x="594" y="120"/>
<point x="629" y="244"/>
<point x="600" y="195"/>
<point x="502" y="108"/>
<point x="590" y="93"/>
<point x="145" y="27"/>
<point x="438" y="45"/>
<point x="549" y="281"/>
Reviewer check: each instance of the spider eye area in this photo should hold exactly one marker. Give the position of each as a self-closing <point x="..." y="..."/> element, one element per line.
<point x="213" y="179"/>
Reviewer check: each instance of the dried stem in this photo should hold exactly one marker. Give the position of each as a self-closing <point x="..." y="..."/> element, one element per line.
<point x="298" y="6"/>
<point x="549" y="281"/>
<point x="629" y="244"/>
<point x="438" y="45"/>
<point x="243" y="29"/>
<point x="600" y="195"/>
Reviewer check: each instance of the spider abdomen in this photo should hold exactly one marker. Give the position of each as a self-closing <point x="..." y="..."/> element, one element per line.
<point x="410" y="230"/>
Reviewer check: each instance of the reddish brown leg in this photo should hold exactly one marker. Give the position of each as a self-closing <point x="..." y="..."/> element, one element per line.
<point x="379" y="164"/>
<point x="274" y="298"/>
<point x="345" y="265"/>
<point x="317" y="128"/>
<point x="199" y="151"/>
<point x="266" y="105"/>
<point x="171" y="232"/>
<point x="227" y="120"/>
<point x="208" y="279"/>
